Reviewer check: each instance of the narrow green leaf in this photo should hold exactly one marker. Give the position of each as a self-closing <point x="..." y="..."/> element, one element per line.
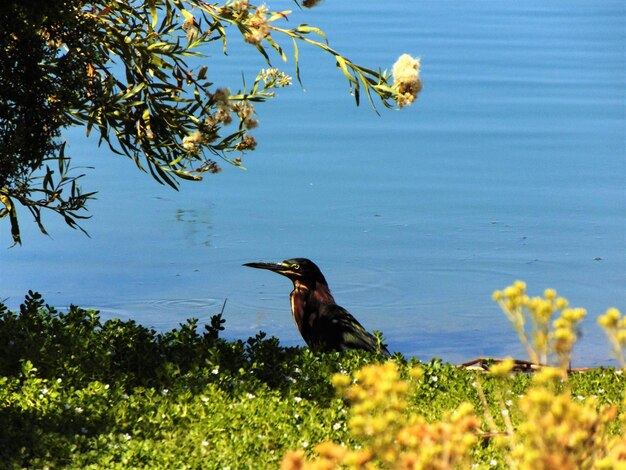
<point x="153" y="13"/>
<point x="306" y="29"/>
<point x="47" y="179"/>
<point x="276" y="46"/>
<point x="222" y="32"/>
<point x="133" y="91"/>
<point x="186" y="175"/>
<point x="369" y="93"/>
<point x="263" y="52"/>
<point x="176" y="161"/>
<point x="15" y="227"/>
<point x="385" y="89"/>
<point x="357" y="94"/>
<point x="296" y="60"/>
<point x="202" y="73"/>
<point x="341" y="63"/>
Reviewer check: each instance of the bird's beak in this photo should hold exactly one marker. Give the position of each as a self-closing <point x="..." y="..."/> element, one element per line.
<point x="276" y="267"/>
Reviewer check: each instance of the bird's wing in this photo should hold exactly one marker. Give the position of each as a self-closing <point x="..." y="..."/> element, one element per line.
<point x="341" y="331"/>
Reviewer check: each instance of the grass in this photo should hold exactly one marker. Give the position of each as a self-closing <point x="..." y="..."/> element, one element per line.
<point x="77" y="392"/>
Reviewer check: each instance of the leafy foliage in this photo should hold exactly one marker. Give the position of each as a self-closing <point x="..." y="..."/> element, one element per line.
<point x="43" y="51"/>
<point x="73" y="385"/>
<point x="77" y="347"/>
<point x="79" y="392"/>
<point x="138" y="74"/>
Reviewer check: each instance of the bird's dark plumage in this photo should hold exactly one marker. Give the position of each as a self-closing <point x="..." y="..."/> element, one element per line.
<point x="324" y="325"/>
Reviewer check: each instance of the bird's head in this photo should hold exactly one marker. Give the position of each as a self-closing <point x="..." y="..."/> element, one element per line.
<point x="300" y="270"/>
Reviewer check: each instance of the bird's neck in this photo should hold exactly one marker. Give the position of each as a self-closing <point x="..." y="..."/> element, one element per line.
<point x="306" y="298"/>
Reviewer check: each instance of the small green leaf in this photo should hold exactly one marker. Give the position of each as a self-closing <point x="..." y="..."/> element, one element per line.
<point x="306" y="29"/>
<point x="297" y="61"/>
<point x="186" y="175"/>
<point x="153" y="13"/>
<point x="202" y="72"/>
<point x="276" y="46"/>
<point x="341" y="63"/>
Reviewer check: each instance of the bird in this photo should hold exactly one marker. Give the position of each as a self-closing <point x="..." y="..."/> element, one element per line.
<point x="324" y="325"/>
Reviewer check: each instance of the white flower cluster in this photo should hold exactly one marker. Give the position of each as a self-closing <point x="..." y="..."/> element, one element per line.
<point x="406" y="79"/>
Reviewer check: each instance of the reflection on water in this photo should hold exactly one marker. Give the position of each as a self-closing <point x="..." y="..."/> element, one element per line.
<point x="197" y="226"/>
<point x="162" y="312"/>
<point x="510" y="166"/>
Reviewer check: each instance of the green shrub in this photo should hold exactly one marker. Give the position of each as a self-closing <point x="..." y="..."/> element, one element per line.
<point x="77" y="392"/>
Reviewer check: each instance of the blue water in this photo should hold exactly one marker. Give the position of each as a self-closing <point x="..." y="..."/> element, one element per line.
<point x="511" y="165"/>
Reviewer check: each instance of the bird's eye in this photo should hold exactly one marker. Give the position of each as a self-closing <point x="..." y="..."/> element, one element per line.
<point x="295" y="267"/>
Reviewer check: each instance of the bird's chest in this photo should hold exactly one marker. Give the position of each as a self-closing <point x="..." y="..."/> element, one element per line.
<point x="299" y="299"/>
<point x="303" y="308"/>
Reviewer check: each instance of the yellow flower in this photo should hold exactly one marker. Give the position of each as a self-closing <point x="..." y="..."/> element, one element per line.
<point x="511" y="292"/>
<point x="330" y="450"/>
<point x="548" y="375"/>
<point x="340" y="381"/>
<point x="549" y="294"/>
<point x="503" y="368"/>
<point x="520" y="286"/>
<point x="416" y="373"/>
<point x="561" y="303"/>
<point x="293" y="461"/>
<point x="610" y="319"/>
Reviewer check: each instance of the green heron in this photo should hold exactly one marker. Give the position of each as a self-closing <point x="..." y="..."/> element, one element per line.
<point x="324" y="325"/>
